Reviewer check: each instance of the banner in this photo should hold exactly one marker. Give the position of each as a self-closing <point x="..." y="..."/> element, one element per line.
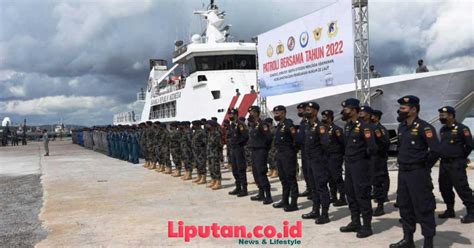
<point x="312" y="52"/>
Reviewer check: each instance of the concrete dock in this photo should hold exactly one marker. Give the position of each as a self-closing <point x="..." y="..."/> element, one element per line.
<point x="80" y="198"/>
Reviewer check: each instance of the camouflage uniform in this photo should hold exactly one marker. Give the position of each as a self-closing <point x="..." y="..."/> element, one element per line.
<point x="143" y="143"/>
<point x="199" y="150"/>
<point x="165" y="147"/>
<point x="271" y="154"/>
<point x="153" y="144"/>
<point x="175" y="149"/>
<point x="186" y="149"/>
<point x="214" y="153"/>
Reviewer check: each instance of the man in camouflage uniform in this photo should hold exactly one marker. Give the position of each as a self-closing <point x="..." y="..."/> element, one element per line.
<point x="165" y="160"/>
<point x="186" y="149"/>
<point x="153" y="143"/>
<point x="214" y="147"/>
<point x="228" y="144"/>
<point x="199" y="151"/>
<point x="175" y="148"/>
<point x="144" y="143"/>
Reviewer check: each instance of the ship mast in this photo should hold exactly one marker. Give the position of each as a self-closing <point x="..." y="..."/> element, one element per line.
<point x="361" y="43"/>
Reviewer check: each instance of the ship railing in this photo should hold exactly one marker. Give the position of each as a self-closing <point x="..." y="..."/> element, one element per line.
<point x="177" y="85"/>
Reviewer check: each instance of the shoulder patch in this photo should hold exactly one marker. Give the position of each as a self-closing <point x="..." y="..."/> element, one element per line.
<point x="367" y="133"/>
<point x="466" y="132"/>
<point x="428" y="133"/>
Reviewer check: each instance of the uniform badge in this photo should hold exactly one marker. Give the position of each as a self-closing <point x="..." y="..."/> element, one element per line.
<point x="429" y="133"/>
<point x="367" y="133"/>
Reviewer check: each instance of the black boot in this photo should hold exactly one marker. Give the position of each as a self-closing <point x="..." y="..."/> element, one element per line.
<point x="324" y="218"/>
<point x="258" y="197"/>
<point x="313" y="214"/>
<point x="341" y="202"/>
<point x="366" y="229"/>
<point x="406" y="242"/>
<point x="468" y="218"/>
<point x="293" y="205"/>
<point x="379" y="211"/>
<point x="305" y="193"/>
<point x="236" y="190"/>
<point x="243" y="192"/>
<point x="268" y="197"/>
<point x="428" y="242"/>
<point x="354" y="226"/>
<point x="281" y="204"/>
<point x="449" y="213"/>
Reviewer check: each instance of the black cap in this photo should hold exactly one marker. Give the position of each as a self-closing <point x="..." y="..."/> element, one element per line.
<point x="377" y="113"/>
<point x="351" y="103"/>
<point x="313" y="105"/>
<point x="447" y="109"/>
<point x="409" y="100"/>
<point x="186" y="123"/>
<point x="214" y="118"/>
<point x="268" y="120"/>
<point x="279" y="108"/>
<point x="254" y="108"/>
<point x="328" y="113"/>
<point x="367" y="109"/>
<point x="302" y="105"/>
<point x="212" y="123"/>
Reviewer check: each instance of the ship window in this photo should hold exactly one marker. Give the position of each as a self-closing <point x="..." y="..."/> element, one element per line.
<point x="221" y="62"/>
<point x="202" y="78"/>
<point x="216" y="94"/>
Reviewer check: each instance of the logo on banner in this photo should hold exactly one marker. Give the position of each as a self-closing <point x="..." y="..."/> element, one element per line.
<point x="332" y="29"/>
<point x="304" y="39"/>
<point x="270" y="51"/>
<point x="317" y="33"/>
<point x="280" y="48"/>
<point x="291" y="43"/>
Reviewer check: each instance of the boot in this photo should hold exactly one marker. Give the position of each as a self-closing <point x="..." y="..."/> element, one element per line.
<point x="354" y="226"/>
<point x="243" y="192"/>
<point x="314" y="214"/>
<point x="217" y="185"/>
<point x="146" y="164"/>
<point x="275" y="174"/>
<point x="258" y="197"/>
<point x="379" y="211"/>
<point x="324" y="218"/>
<point x="187" y="176"/>
<point x="249" y="168"/>
<point x="449" y="213"/>
<point x="341" y="202"/>
<point x="152" y="166"/>
<point x="236" y="190"/>
<point x="168" y="170"/>
<point x="283" y="203"/>
<point x="268" y="197"/>
<point x="162" y="169"/>
<point x="198" y="178"/>
<point x="469" y="217"/>
<point x="177" y="173"/>
<point x="270" y="172"/>
<point x="203" y="179"/>
<point x="428" y="242"/>
<point x="305" y="193"/>
<point x="293" y="205"/>
<point x="406" y="242"/>
<point x="366" y="229"/>
<point x="213" y="181"/>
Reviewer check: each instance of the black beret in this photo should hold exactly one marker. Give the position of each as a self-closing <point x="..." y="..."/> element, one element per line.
<point x="409" y="100"/>
<point x="313" y="105"/>
<point x="214" y="118"/>
<point x="186" y="123"/>
<point x="196" y="123"/>
<point x="157" y="122"/>
<point x="351" y="103"/>
<point x="279" y="108"/>
<point x="149" y="122"/>
<point x="366" y="109"/>
<point x="254" y="108"/>
<point x="377" y="113"/>
<point x="447" y="109"/>
<point x="328" y="113"/>
<point x="302" y="105"/>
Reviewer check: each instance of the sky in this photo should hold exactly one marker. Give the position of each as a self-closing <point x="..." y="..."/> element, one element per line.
<point x="81" y="61"/>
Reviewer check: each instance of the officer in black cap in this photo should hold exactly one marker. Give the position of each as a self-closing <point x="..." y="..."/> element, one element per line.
<point x="286" y="159"/>
<point x="313" y="150"/>
<point x="333" y="143"/>
<point x="418" y="151"/>
<point x="260" y="139"/>
<point x="456" y="145"/>
<point x="239" y="137"/>
<point x="359" y="141"/>
<point x="380" y="177"/>
<point x="300" y="139"/>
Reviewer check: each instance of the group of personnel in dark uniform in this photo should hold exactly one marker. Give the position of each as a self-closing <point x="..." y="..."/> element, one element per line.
<point x="361" y="146"/>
